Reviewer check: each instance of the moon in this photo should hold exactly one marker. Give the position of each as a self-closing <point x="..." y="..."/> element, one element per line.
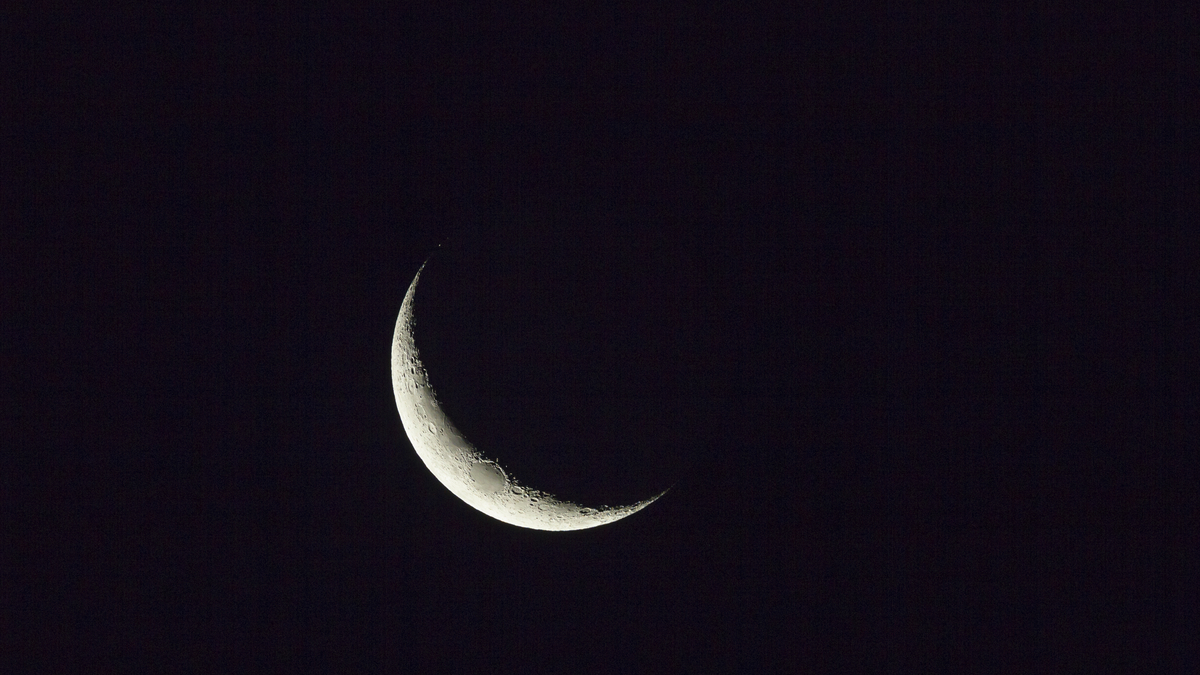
<point x="473" y="477"/>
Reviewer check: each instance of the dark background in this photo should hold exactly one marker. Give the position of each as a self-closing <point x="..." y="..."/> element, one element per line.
<point x="896" y="300"/>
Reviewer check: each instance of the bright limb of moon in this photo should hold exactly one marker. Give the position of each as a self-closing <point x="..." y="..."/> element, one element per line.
<point x="460" y="466"/>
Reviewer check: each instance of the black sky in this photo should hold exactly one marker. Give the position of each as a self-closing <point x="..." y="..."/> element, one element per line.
<point x="895" y="300"/>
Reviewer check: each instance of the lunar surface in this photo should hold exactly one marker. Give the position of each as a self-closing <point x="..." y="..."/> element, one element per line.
<point x="475" y="478"/>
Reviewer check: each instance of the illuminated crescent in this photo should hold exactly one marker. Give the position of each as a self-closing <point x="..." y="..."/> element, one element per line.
<point x="460" y="466"/>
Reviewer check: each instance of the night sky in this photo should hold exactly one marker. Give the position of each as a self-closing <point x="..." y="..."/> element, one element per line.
<point x="893" y="301"/>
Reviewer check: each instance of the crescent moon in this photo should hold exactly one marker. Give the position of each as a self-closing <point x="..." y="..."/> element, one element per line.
<point x="473" y="477"/>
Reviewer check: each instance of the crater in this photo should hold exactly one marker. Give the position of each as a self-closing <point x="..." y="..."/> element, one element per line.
<point x="488" y="477"/>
